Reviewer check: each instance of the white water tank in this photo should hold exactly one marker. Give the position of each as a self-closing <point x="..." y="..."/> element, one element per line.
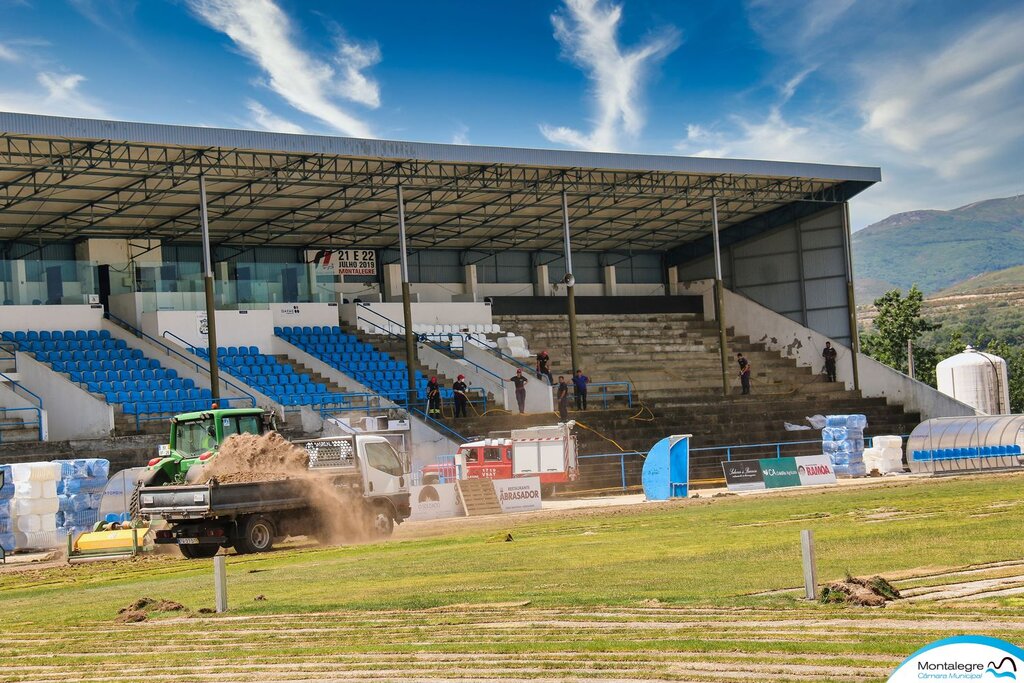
<point x="976" y="378"/>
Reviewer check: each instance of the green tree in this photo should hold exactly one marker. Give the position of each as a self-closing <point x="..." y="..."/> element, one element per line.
<point x="899" y="320"/>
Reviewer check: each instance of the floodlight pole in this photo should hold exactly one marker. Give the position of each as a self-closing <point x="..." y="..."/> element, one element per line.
<point x="410" y="339"/>
<point x="723" y="348"/>
<point x="570" y="294"/>
<point x="851" y="304"/>
<point x="211" y="308"/>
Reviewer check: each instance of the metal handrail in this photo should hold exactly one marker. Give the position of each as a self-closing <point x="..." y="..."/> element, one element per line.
<point x="605" y="395"/>
<point x="425" y="339"/>
<point x="16" y="385"/>
<point x="199" y="368"/>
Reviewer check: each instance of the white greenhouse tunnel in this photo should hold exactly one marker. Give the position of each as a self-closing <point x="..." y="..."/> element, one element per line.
<point x="976" y="378"/>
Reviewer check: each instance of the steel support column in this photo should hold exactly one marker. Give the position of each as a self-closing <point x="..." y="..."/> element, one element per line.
<point x="211" y="308"/>
<point x="570" y="294"/>
<point x="723" y="347"/>
<point x="850" y="302"/>
<point x="410" y="339"/>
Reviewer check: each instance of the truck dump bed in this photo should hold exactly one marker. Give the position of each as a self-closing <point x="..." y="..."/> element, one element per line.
<point x="197" y="501"/>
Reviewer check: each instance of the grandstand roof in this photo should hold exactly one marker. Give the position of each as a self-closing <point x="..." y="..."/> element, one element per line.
<point x="63" y="178"/>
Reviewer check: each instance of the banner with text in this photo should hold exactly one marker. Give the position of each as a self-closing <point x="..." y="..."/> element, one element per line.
<point x="344" y="261"/>
<point x="434" y="501"/>
<point x="517" y="495"/>
<point x="777" y="473"/>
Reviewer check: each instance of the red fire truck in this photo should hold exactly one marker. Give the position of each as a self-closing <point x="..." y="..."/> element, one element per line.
<point x="547" y="452"/>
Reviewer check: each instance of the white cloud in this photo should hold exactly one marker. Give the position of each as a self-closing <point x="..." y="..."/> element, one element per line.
<point x="461" y="135"/>
<point x="7" y="54"/>
<point x="589" y="38"/>
<point x="956" y="106"/>
<point x="59" y="96"/>
<point x="263" y="32"/>
<point x="264" y="119"/>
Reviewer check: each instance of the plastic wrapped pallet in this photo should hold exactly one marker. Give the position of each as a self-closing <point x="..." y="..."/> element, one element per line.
<point x="843" y="441"/>
<point x="34" y="505"/>
<point x="888" y="441"/>
<point x="7" y="490"/>
<point x="82" y="492"/>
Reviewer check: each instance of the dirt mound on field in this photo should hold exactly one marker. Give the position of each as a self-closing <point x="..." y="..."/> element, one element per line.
<point x="247" y="458"/>
<point x="140" y="609"/>
<point x="873" y="592"/>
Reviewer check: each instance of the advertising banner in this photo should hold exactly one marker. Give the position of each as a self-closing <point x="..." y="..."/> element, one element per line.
<point x="202" y="324"/>
<point x="815" y="469"/>
<point x="517" y="495"/>
<point x="743" y="475"/>
<point x="434" y="501"/>
<point x="780" y="473"/>
<point x="345" y="261"/>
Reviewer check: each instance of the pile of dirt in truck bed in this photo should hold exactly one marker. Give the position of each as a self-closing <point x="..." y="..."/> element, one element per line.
<point x="247" y="458"/>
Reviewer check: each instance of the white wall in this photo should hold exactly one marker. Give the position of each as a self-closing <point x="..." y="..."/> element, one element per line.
<point x="69" y="317"/>
<point x="304" y="314"/>
<point x="77" y="414"/>
<point x="127" y="307"/>
<point x="234" y="328"/>
<point x="538" y="396"/>
<point x="804" y="345"/>
<point x="465" y="312"/>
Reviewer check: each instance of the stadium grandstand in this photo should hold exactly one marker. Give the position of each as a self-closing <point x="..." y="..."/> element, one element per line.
<point x="345" y="273"/>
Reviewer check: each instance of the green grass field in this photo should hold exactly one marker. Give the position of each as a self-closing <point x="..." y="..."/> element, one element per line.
<point x="670" y="591"/>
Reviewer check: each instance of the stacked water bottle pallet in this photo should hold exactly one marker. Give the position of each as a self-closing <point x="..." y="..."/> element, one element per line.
<point x="33" y="507"/>
<point x="80" y="491"/>
<point x="843" y="441"/>
<point x="6" y="493"/>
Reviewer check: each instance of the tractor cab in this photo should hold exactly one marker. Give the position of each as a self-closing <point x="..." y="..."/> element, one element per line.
<point x="195" y="437"/>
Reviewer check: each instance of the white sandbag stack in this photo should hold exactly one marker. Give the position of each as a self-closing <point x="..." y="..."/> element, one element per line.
<point x="33" y="508"/>
<point x="80" y="493"/>
<point x="6" y="493"/>
<point x="885" y="455"/>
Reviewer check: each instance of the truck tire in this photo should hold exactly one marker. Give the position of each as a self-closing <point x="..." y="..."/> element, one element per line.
<point x="382" y="522"/>
<point x="256" y="535"/>
<point x="547" y="490"/>
<point x="197" y="552"/>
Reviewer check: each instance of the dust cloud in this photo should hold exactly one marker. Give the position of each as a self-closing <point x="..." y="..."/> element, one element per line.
<point x="337" y="511"/>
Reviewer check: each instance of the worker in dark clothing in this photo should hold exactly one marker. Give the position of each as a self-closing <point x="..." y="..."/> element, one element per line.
<point x="745" y="368"/>
<point x="520" y="383"/>
<point x="829" y="354"/>
<point x="563" y="399"/>
<point x="461" y="399"/>
<point x="433" y="398"/>
<point x="580" y="382"/>
<point x="542" y="366"/>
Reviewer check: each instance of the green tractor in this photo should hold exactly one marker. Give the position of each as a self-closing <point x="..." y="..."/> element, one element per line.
<point x="195" y="438"/>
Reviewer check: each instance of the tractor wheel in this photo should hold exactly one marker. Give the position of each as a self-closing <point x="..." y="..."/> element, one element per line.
<point x="157" y="478"/>
<point x="257" y="535"/>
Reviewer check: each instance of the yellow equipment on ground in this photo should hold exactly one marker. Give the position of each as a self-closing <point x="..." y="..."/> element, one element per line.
<point x="109" y="541"/>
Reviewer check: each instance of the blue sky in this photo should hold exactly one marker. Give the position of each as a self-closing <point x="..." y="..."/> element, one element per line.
<point x="931" y="91"/>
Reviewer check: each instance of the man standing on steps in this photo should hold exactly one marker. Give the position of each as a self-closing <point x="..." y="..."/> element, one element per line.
<point x="563" y="399"/>
<point x="520" y="383"/>
<point x="745" y="368"/>
<point x="829" y="354"/>
<point x="580" y="382"/>
<point x="542" y="366"/>
<point x="459" y="389"/>
<point x="433" y="398"/>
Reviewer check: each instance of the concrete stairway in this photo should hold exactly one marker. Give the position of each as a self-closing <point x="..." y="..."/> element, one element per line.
<point x="673" y="362"/>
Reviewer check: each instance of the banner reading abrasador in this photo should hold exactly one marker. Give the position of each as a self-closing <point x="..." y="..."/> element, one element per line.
<point x="519" y="494"/>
